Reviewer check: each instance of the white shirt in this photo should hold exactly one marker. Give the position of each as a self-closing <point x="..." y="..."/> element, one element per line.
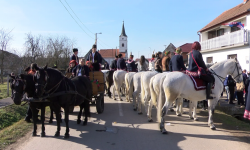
<point x="93" y="54"/>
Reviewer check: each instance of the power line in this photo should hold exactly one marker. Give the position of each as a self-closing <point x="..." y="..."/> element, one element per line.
<point x="84" y="24"/>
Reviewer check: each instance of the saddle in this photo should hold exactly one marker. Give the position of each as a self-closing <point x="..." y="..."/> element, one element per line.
<point x="199" y="84"/>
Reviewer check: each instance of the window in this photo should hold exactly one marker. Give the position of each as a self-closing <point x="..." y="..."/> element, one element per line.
<point x="232" y="56"/>
<point x="233" y="29"/>
<point x="122" y="38"/>
<point x="220" y="32"/>
<point x="211" y="34"/>
<point x="209" y="59"/>
<point x="122" y="44"/>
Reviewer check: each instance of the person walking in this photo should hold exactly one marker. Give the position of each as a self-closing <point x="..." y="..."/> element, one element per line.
<point x="121" y="64"/>
<point x="247" y="102"/>
<point x="231" y="85"/>
<point x="131" y="64"/>
<point x="239" y="91"/>
<point x="165" y="63"/>
<point x="196" y="65"/>
<point x="74" y="56"/>
<point x="95" y="58"/>
<point x="158" y="62"/>
<point x="176" y="62"/>
<point x="143" y="64"/>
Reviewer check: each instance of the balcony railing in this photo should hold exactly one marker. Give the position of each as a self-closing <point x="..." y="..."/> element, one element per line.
<point x="231" y="39"/>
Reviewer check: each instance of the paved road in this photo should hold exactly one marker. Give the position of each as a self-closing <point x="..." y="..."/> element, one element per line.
<point x="5" y="102"/>
<point x="130" y="131"/>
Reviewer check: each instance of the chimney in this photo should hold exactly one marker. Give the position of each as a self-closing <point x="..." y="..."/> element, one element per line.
<point x="245" y="1"/>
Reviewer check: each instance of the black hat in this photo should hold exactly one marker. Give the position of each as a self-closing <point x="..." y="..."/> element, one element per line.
<point x="120" y="55"/>
<point x="116" y="56"/>
<point x="75" y="50"/>
<point x="94" y="46"/>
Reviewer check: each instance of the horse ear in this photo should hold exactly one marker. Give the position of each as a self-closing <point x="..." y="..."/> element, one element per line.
<point x="45" y="67"/>
<point x="34" y="66"/>
<point x="13" y="77"/>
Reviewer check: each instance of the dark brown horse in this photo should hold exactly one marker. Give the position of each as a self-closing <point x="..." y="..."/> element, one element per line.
<point x="50" y="81"/>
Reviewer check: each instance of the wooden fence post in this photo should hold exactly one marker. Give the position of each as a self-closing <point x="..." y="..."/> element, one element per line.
<point x="8" y="86"/>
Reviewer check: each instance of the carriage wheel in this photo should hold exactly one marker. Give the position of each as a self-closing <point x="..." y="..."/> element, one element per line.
<point x="100" y="103"/>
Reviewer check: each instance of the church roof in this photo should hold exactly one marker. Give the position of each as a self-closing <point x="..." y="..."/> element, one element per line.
<point x="109" y="53"/>
<point x="123" y="30"/>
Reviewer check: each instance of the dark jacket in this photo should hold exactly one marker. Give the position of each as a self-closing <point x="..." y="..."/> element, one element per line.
<point x="244" y="78"/>
<point x="97" y="60"/>
<point x="106" y="66"/>
<point x="199" y="60"/>
<point x="84" y="70"/>
<point x="229" y="81"/>
<point x="121" y="65"/>
<point x="158" y="64"/>
<point x="113" y="65"/>
<point x="176" y="63"/>
<point x="74" y="57"/>
<point x="165" y="63"/>
<point x="247" y="83"/>
<point x="131" y="66"/>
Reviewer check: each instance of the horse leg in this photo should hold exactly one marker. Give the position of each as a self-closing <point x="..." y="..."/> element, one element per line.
<point x="66" y="113"/>
<point x="149" y="114"/>
<point x="34" y="118"/>
<point x="194" y="111"/>
<point x="51" y="115"/>
<point x="139" y="104"/>
<point x="177" y="104"/>
<point x="119" y="93"/>
<point x="134" y="100"/>
<point x="86" y="112"/>
<point x="190" y="109"/>
<point x="164" y="113"/>
<point x="42" y="119"/>
<point x="57" y="110"/>
<point x="109" y="93"/>
<point x="114" y="88"/>
<point x="210" y="112"/>
<point x="80" y="114"/>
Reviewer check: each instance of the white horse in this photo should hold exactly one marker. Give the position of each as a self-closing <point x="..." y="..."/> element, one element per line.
<point x="137" y="89"/>
<point x="119" y="79"/>
<point x="129" y="85"/>
<point x="145" y="90"/>
<point x="154" y="86"/>
<point x="178" y="85"/>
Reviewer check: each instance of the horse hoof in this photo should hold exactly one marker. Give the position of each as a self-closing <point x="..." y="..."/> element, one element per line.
<point x="139" y="113"/>
<point x="66" y="136"/>
<point x="34" y="134"/>
<point x="121" y="100"/>
<point x="84" y="123"/>
<point x="115" y="99"/>
<point x="172" y="110"/>
<point x="50" y="121"/>
<point x="163" y="131"/>
<point x="135" y="109"/>
<point x="191" y="117"/>
<point x="78" y="121"/>
<point x="57" y="134"/>
<point x="196" y="119"/>
<point x="178" y="114"/>
<point x="42" y="134"/>
<point x="212" y="128"/>
<point x="150" y="120"/>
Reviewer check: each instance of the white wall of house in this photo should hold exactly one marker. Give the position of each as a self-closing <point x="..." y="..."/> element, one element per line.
<point x="220" y="55"/>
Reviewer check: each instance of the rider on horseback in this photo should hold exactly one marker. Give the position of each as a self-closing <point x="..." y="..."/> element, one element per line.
<point x="197" y="65"/>
<point x="176" y="62"/>
<point x="131" y="64"/>
<point x="113" y="65"/>
<point x="166" y="61"/>
<point x="158" y="62"/>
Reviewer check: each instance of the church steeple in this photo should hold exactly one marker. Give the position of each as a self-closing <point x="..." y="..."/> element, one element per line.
<point x="123" y="30"/>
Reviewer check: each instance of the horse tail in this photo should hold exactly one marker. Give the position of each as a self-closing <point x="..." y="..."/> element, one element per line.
<point x="161" y="99"/>
<point x="142" y="89"/>
<point x="152" y="92"/>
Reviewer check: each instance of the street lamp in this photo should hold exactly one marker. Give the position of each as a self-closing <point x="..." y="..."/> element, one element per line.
<point x="96" y="37"/>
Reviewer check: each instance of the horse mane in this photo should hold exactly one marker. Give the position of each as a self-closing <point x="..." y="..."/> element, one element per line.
<point x="55" y="72"/>
<point x="220" y="64"/>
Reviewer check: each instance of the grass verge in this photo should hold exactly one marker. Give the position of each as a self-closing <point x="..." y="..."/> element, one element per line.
<point x="3" y="90"/>
<point x="12" y="124"/>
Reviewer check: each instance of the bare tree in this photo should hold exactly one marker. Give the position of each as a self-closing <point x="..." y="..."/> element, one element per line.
<point x="5" y="37"/>
<point x="32" y="44"/>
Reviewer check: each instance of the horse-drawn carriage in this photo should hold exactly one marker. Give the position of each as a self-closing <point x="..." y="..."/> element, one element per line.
<point x="98" y="88"/>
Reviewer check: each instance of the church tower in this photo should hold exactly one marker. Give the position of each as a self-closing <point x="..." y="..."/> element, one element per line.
<point x="123" y="42"/>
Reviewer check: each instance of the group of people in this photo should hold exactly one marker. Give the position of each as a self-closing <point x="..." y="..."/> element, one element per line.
<point x="79" y="68"/>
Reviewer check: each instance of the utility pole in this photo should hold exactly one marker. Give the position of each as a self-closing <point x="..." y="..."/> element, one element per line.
<point x="96" y="37"/>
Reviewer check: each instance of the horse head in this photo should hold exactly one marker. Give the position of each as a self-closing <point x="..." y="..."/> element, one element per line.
<point x="17" y="89"/>
<point x="236" y="71"/>
<point x="46" y="79"/>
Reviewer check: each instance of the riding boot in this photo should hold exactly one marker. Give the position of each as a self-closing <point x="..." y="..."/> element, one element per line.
<point x="208" y="91"/>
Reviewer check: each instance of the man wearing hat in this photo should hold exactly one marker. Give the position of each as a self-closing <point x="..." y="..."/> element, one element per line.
<point x="74" y="56"/>
<point x="176" y="62"/>
<point x="131" y="64"/>
<point x="113" y="65"/>
<point x="95" y="58"/>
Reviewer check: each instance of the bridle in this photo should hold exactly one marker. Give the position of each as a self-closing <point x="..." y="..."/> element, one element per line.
<point x="46" y="83"/>
<point x="220" y="77"/>
<point x="17" y="82"/>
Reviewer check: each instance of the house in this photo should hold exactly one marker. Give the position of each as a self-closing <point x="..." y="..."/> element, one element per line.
<point x="170" y="48"/>
<point x="227" y="36"/>
<point x="109" y="54"/>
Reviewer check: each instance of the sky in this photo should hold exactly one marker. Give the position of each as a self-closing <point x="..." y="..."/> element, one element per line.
<point x="149" y="24"/>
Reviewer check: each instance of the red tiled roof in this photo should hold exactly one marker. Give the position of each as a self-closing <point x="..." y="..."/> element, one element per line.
<point x="106" y="53"/>
<point x="228" y="15"/>
<point x="186" y="47"/>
